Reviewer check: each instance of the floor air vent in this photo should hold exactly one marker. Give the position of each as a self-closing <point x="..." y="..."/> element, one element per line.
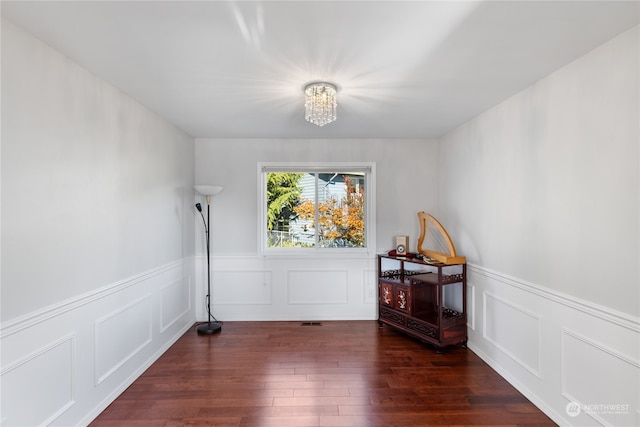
<point x="311" y="324"/>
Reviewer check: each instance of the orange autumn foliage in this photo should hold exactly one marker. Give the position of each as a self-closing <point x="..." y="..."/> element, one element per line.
<point x="340" y="222"/>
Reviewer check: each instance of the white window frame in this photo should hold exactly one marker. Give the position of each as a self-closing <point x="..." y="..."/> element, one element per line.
<point x="369" y="168"/>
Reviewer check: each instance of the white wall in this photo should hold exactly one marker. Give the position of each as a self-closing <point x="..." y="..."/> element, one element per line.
<point x="541" y="193"/>
<point x="247" y="285"/>
<point x="97" y="237"/>
<point x="98" y="233"/>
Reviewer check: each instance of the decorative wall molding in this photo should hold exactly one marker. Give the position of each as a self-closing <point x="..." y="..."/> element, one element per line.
<point x="117" y="391"/>
<point x="241" y="287"/>
<point x="317" y="287"/>
<point x="369" y="287"/>
<point x="101" y="342"/>
<point x="517" y="322"/>
<point x="585" y="361"/>
<point x="44" y="383"/>
<point x="622" y="319"/>
<point x="601" y="347"/>
<point x="280" y="288"/>
<point x="120" y="335"/>
<point x="38" y="316"/>
<point x="471" y="307"/>
<point x="587" y="353"/>
<point x="170" y="314"/>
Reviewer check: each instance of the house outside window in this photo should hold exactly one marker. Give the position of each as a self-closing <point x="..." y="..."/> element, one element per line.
<point x="316" y="207"/>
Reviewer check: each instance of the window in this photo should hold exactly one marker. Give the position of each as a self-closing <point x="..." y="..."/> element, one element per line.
<point x="309" y="207"/>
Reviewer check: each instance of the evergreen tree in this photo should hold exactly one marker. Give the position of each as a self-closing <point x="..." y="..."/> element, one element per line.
<point x="283" y="194"/>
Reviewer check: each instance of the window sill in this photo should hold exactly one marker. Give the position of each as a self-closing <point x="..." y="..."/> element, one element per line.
<point x="328" y="253"/>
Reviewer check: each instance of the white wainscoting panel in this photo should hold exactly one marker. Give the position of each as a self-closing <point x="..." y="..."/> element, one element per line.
<point x="317" y="287"/>
<point x="46" y="379"/>
<point x="370" y="286"/>
<point x="64" y="364"/>
<point x="120" y="335"/>
<point x="176" y="302"/>
<point x="242" y="287"/>
<point x="600" y="379"/>
<point x="292" y="288"/>
<point x="513" y="330"/>
<point x="471" y="307"/>
<point x="556" y="349"/>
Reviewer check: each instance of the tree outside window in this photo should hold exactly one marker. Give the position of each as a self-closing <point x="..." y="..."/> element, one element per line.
<point x="324" y="210"/>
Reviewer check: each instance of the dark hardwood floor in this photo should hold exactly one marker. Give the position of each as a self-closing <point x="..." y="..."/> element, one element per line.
<point x="339" y="373"/>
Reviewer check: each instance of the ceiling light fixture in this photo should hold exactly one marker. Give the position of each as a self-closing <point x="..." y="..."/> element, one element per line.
<point x="320" y="103"/>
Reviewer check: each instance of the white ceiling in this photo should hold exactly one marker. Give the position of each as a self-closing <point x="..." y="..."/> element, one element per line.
<point x="236" y="69"/>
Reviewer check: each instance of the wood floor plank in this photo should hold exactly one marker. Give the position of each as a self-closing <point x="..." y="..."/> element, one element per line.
<point x="341" y="373"/>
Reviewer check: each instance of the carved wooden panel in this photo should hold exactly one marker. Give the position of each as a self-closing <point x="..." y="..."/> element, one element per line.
<point x="403" y="299"/>
<point x="386" y="294"/>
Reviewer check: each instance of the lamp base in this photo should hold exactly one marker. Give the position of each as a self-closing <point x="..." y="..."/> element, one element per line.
<point x="209" y="328"/>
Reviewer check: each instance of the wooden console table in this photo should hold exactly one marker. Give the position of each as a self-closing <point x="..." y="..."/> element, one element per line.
<point x="422" y="299"/>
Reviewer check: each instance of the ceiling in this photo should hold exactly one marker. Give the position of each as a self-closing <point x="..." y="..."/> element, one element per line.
<point x="236" y="69"/>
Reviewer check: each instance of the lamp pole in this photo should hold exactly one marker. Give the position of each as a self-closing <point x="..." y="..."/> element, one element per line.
<point x="211" y="327"/>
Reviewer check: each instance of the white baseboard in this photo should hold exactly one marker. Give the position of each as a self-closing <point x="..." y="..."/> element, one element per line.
<point x="131" y="378"/>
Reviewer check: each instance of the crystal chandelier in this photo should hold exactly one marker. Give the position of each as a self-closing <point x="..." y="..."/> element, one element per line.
<point x="320" y="103"/>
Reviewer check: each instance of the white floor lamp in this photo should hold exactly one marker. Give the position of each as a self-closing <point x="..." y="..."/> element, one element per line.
<point x="212" y="326"/>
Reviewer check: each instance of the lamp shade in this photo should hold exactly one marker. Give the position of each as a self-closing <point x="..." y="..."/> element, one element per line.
<point x="208" y="190"/>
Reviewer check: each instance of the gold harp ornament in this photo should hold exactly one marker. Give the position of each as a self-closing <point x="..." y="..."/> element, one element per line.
<point x="437" y="240"/>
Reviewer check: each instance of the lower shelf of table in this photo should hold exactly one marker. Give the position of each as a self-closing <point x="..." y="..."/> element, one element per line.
<point x="452" y="333"/>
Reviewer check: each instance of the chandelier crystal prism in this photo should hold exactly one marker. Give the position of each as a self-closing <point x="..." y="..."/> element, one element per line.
<point x="320" y="103"/>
